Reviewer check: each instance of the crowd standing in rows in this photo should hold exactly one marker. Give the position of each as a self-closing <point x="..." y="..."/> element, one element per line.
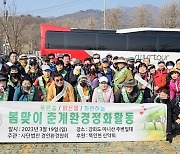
<point x="110" y="80"/>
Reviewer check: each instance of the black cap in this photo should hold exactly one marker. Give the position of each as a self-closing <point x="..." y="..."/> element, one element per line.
<point x="105" y="60"/>
<point x="32" y="61"/>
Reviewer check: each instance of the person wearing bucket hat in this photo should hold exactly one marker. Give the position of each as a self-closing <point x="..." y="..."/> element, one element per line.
<point x="83" y="91"/>
<point x="4" y="91"/>
<point x="43" y="82"/>
<point x="121" y="74"/>
<point x="103" y="93"/>
<point x="129" y="93"/>
<point x="174" y="85"/>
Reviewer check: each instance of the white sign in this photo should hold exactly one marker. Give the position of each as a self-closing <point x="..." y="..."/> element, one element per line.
<point x="81" y="122"/>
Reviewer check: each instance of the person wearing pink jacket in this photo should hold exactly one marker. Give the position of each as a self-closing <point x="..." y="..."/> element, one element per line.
<point x="174" y="85"/>
<point x="103" y="93"/>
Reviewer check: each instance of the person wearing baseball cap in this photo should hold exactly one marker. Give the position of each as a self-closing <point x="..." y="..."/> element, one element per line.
<point x="106" y="71"/>
<point x="129" y="93"/>
<point x="33" y="70"/>
<point x="130" y="64"/>
<point x="103" y="93"/>
<point x="83" y="91"/>
<point x="122" y="73"/>
<point x="43" y="82"/>
<point x="23" y="59"/>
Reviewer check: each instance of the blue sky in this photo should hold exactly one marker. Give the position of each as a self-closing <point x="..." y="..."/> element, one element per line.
<point x="47" y="8"/>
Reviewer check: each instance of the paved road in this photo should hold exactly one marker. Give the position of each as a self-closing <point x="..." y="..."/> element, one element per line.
<point x="94" y="148"/>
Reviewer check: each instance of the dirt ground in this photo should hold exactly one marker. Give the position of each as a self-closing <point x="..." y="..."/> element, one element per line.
<point x="159" y="147"/>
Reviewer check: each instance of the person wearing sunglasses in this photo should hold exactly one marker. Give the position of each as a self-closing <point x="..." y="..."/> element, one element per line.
<point x="96" y="60"/>
<point x="34" y="71"/>
<point x="60" y="90"/>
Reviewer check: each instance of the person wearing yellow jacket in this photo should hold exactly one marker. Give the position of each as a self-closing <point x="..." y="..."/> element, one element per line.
<point x="121" y="74"/>
<point x="60" y="90"/>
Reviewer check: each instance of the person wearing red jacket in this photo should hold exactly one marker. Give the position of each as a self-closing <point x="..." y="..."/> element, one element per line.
<point x="160" y="76"/>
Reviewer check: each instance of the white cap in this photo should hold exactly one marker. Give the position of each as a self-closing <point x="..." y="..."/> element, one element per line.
<point x="46" y="67"/>
<point x="103" y="79"/>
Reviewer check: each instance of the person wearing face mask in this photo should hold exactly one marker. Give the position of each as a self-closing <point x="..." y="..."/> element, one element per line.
<point x="169" y="65"/>
<point x="103" y="93"/>
<point x="96" y="60"/>
<point x="75" y="73"/>
<point x="26" y="91"/>
<point x="43" y="82"/>
<point x="122" y="73"/>
<point x="144" y="83"/>
<point x="174" y="85"/>
<point x="4" y="90"/>
<point x="93" y="76"/>
<point x="60" y="90"/>
<point x="14" y="79"/>
<point x="83" y="91"/>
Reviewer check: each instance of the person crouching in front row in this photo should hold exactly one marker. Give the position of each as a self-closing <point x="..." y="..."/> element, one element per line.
<point x="103" y="93"/>
<point x="83" y="91"/>
<point x="129" y="93"/>
<point x="60" y="90"/>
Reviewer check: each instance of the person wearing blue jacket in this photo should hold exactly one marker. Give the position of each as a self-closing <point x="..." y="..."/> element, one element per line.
<point x="26" y="91"/>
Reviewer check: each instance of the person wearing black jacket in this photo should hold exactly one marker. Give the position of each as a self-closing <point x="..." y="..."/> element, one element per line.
<point x="163" y="97"/>
<point x="176" y="113"/>
<point x="13" y="60"/>
<point x="129" y="93"/>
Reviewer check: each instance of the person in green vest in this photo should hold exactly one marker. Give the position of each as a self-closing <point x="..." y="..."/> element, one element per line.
<point x="83" y="91"/>
<point x="60" y="69"/>
<point x="129" y="93"/>
<point x="121" y="74"/>
<point x="26" y="91"/>
<point x="43" y="82"/>
<point x="4" y="92"/>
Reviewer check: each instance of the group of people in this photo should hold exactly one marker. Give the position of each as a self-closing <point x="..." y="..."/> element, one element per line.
<point x="97" y="79"/>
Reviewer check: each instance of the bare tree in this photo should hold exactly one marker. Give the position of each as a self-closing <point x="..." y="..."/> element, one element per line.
<point x="169" y="15"/>
<point x="142" y="16"/>
<point x="88" y="23"/>
<point x="114" y="18"/>
<point x="13" y="27"/>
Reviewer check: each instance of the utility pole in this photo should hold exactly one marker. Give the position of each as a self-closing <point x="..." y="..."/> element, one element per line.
<point x="5" y="16"/>
<point x="104" y="14"/>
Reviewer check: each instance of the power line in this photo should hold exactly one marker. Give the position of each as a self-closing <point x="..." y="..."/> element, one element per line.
<point x="54" y="7"/>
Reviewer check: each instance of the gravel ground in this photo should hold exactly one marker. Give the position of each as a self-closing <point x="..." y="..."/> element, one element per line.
<point x="94" y="148"/>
